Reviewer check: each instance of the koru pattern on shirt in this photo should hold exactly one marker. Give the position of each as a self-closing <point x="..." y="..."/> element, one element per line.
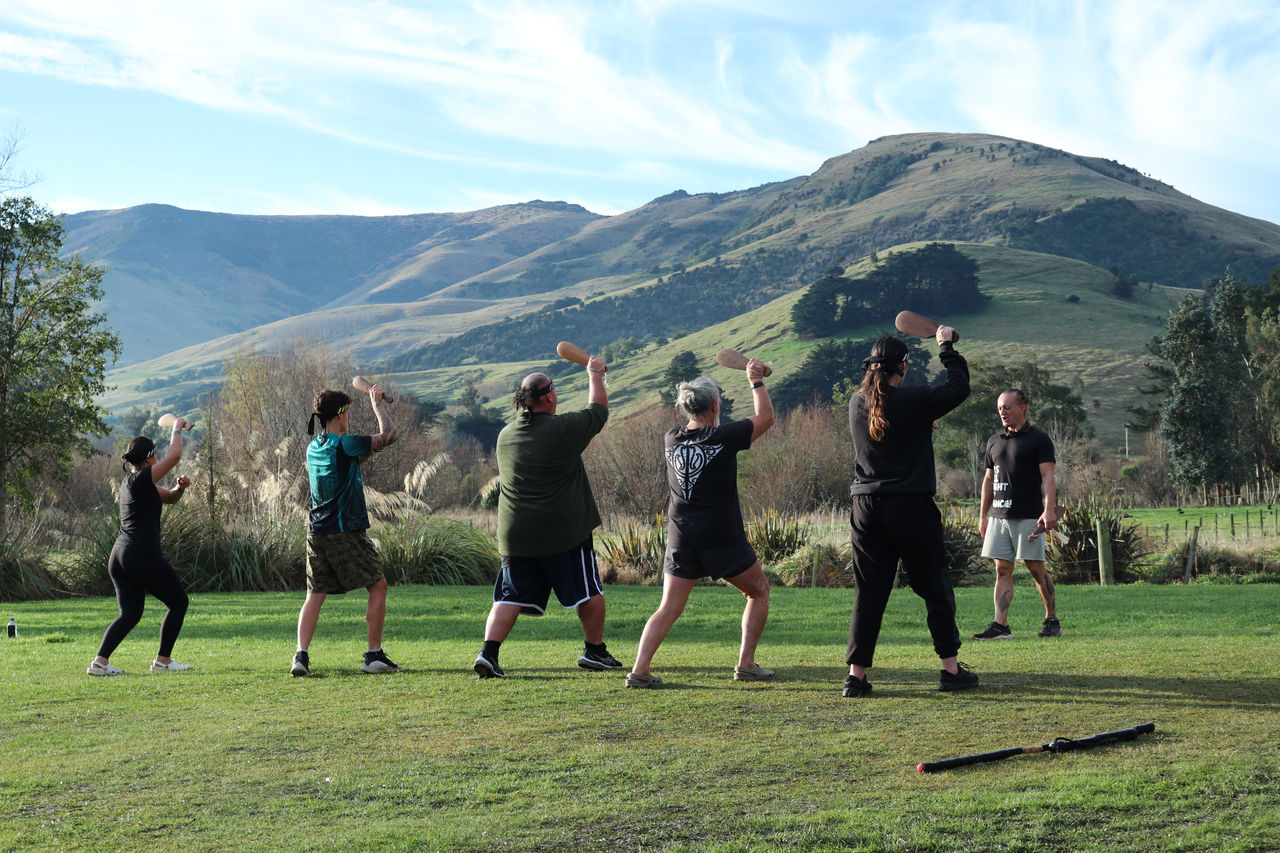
<point x="689" y="459"/>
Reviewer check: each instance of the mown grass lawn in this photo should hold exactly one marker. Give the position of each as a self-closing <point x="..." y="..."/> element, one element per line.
<point x="236" y="755"/>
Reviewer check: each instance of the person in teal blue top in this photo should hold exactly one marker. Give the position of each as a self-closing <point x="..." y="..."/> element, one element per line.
<point x="340" y="556"/>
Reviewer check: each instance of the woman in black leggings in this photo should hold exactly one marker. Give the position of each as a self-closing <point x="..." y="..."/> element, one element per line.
<point x="137" y="565"/>
<point x="894" y="517"/>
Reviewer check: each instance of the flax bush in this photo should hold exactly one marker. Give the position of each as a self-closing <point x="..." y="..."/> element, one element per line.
<point x="635" y="553"/>
<point x="776" y="535"/>
<point x="437" y="550"/>
<point x="1077" y="560"/>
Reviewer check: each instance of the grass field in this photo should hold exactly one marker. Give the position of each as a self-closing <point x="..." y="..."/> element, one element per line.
<point x="236" y="755"/>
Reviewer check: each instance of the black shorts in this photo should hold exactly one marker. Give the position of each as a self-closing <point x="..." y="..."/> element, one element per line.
<point x="715" y="563"/>
<point x="528" y="581"/>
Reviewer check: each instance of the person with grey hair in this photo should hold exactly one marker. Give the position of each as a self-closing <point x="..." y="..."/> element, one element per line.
<point x="705" y="535"/>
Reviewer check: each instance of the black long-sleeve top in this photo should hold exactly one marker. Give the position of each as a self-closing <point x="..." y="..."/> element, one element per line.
<point x="902" y="463"/>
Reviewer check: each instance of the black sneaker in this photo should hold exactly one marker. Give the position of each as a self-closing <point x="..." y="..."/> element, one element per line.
<point x="301" y="665"/>
<point x="486" y="668"/>
<point x="376" y="662"/>
<point x="855" y="687"/>
<point x="995" y="631"/>
<point x="962" y="680"/>
<point x="1051" y="628"/>
<point x="598" y="661"/>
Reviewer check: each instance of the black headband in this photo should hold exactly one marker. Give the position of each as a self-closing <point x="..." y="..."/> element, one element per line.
<point x="880" y="359"/>
<point x="542" y="392"/>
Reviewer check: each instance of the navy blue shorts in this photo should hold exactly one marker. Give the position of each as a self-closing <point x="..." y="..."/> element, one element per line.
<point x="715" y="563"/>
<point x="528" y="581"/>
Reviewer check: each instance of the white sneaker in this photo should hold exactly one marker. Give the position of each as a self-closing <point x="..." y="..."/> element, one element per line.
<point x="171" y="666"/>
<point x="96" y="668"/>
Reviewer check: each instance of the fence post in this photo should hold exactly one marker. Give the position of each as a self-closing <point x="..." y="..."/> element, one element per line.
<point x="1191" y="554"/>
<point x="1106" y="571"/>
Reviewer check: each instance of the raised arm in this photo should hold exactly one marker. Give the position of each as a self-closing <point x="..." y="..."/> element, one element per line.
<point x="595" y="371"/>
<point x="161" y="467"/>
<point x="763" y="418"/>
<point x="387" y="434"/>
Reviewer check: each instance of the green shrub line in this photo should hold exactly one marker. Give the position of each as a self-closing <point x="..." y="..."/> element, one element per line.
<point x="795" y="549"/>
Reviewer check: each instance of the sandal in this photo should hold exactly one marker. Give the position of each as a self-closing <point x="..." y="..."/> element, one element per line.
<point x="640" y="682"/>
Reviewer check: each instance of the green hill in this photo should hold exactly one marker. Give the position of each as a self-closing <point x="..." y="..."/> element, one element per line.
<point x="487" y="294"/>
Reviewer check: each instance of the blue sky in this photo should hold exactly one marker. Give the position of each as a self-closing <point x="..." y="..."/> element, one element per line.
<point x="349" y="106"/>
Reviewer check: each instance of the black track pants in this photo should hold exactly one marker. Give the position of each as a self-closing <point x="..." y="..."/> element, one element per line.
<point x="887" y="528"/>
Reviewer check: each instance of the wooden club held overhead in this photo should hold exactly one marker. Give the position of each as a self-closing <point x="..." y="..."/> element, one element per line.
<point x="733" y="359"/>
<point x="168" y="419"/>
<point x="574" y="353"/>
<point x="911" y="323"/>
<point x="363" y="385"/>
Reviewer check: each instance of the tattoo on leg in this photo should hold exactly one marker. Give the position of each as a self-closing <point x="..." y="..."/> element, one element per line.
<point x="1003" y="606"/>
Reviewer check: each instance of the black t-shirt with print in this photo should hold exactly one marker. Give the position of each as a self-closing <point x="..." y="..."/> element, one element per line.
<point x="1014" y="459"/>
<point x="702" y="474"/>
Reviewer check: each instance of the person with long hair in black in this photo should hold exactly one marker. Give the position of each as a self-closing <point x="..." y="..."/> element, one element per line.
<point x="137" y="565"/>
<point x="894" y="516"/>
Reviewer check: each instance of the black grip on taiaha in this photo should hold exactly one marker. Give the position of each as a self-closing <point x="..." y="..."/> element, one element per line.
<point x="1061" y="744"/>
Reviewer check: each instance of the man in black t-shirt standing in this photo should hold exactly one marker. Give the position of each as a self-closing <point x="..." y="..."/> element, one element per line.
<point x="1019" y="499"/>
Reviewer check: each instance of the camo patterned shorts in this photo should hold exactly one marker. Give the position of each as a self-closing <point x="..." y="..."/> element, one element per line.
<point x="341" y="562"/>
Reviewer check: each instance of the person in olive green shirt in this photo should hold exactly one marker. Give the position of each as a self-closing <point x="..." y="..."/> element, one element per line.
<point x="546" y="515"/>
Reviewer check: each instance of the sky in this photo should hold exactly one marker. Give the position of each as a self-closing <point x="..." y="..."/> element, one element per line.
<point x="376" y="108"/>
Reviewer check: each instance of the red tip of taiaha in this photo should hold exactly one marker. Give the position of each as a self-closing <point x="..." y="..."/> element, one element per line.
<point x="920" y="768"/>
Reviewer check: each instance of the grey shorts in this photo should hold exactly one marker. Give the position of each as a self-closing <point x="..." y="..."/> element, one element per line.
<point x="715" y="563"/>
<point x="1006" y="539"/>
<point x="341" y="562"/>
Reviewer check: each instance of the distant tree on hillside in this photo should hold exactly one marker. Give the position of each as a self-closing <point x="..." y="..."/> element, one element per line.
<point x="936" y="279"/>
<point x="683" y="367"/>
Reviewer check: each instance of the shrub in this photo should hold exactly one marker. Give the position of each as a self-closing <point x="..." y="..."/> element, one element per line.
<point x="268" y="554"/>
<point x="437" y="551"/>
<point x="634" y="554"/>
<point x="1077" y="560"/>
<point x="816" y="564"/>
<point x="1212" y="563"/>
<point x="25" y="576"/>
<point x="776" y="535"/>
<point x="963" y="546"/>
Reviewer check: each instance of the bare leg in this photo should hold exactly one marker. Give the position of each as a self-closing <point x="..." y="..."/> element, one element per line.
<point x="502" y="618"/>
<point x="1004" y="590"/>
<point x="1044" y="584"/>
<point x="309" y="617"/>
<point x="675" y="595"/>
<point x="755" y="587"/>
<point x="375" y="612"/>
<point x="591" y="614"/>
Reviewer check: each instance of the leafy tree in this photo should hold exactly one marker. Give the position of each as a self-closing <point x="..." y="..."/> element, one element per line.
<point x="1203" y="348"/>
<point x="54" y="352"/>
<point x="832" y="372"/>
<point x="937" y="278"/>
<point x="817" y="310"/>
<point x="963" y="434"/>
<point x="683" y="367"/>
<point x="474" y="420"/>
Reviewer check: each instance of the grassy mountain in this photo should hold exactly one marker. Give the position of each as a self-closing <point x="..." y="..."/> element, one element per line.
<point x="213" y="274"/>
<point x="488" y="294"/>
